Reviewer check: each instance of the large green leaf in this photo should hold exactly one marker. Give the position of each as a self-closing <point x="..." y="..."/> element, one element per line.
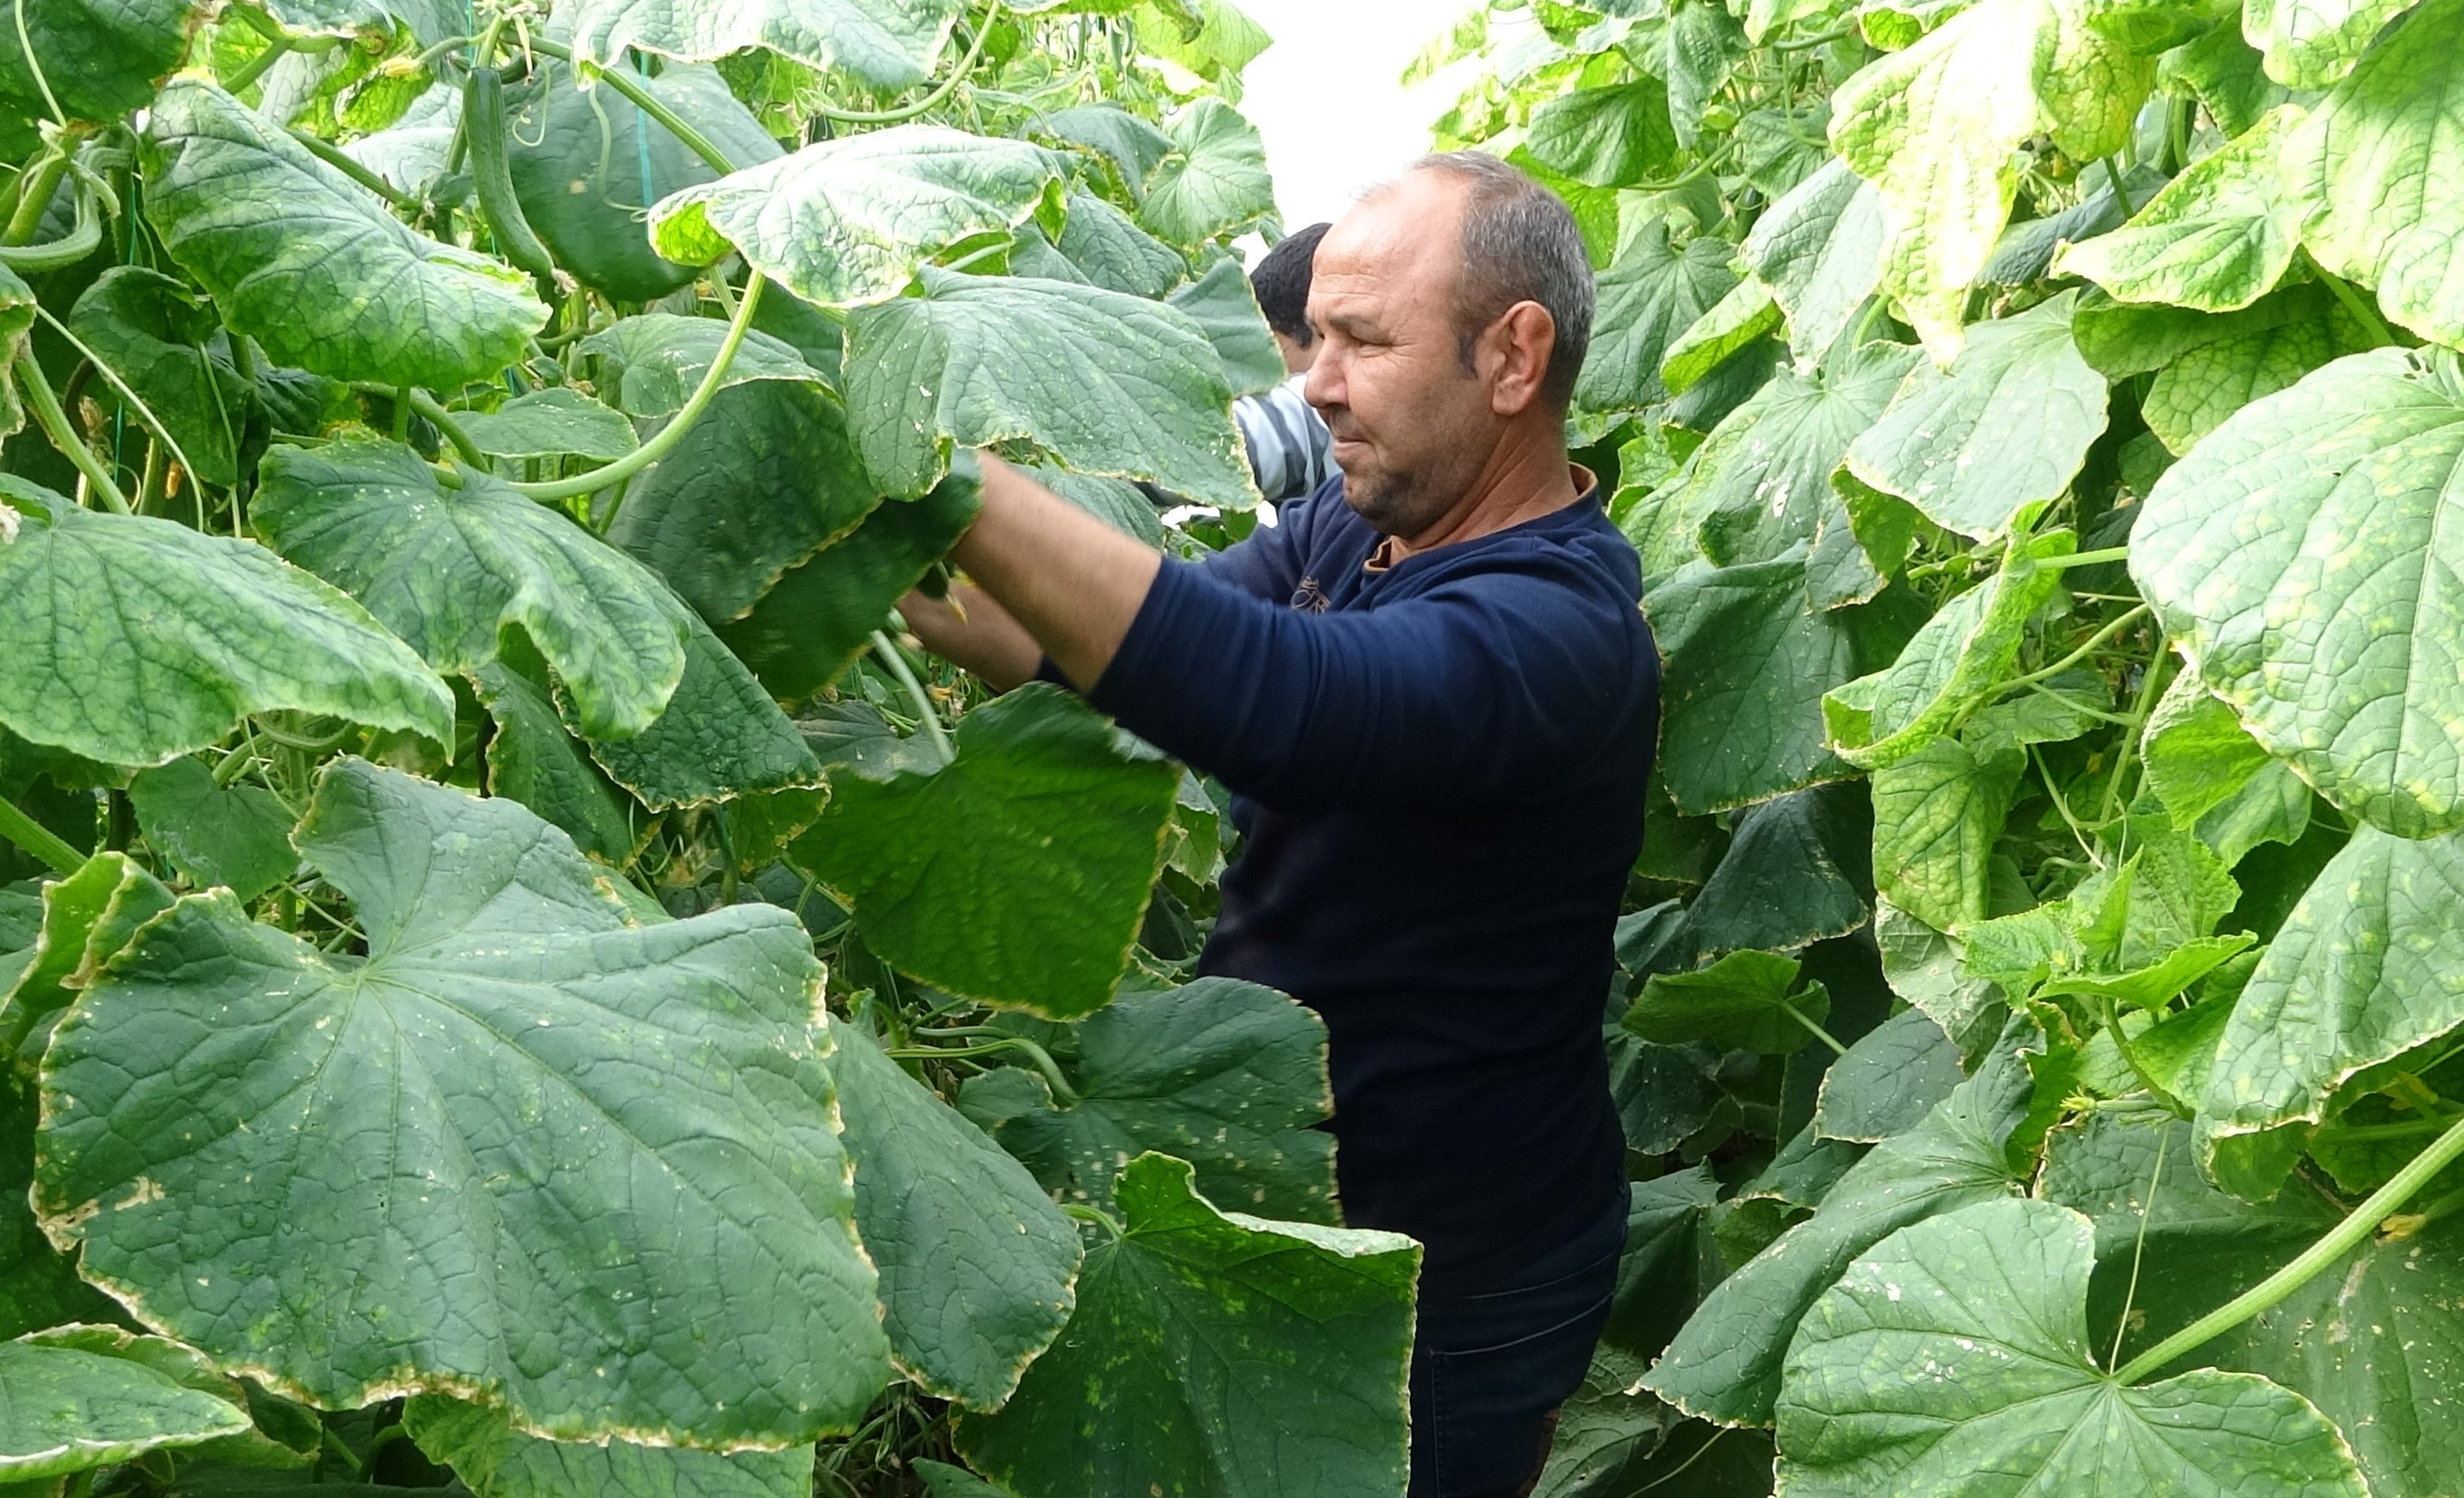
<point x="1936" y="129"/>
<point x="450" y="569"/>
<point x="1104" y="247"/>
<point x="599" y="1156"/>
<point x="1998" y="435"/>
<point x="1651" y="293"/>
<point x="2364" y="971"/>
<point x="1762" y="481"/>
<point x="1108" y="383"/>
<point x="1225" y="309"/>
<point x="1955" y="661"/>
<point x="1937" y="814"/>
<point x="2380" y="165"/>
<point x="848" y="221"/>
<point x="496" y="1461"/>
<point x="1954" y="1358"/>
<point x="157" y="335"/>
<point x="1226" y="1075"/>
<point x="1796" y="871"/>
<point x="2372" y="1340"/>
<point x="585" y="164"/>
<point x="2302" y="557"/>
<point x="71" y="1410"/>
<point x="87" y="919"/>
<point x="234" y="835"/>
<point x="1724" y="1364"/>
<point x="1744" y="1001"/>
<point x="548" y="423"/>
<point x="1214" y="1353"/>
<point x="882" y="44"/>
<point x="719" y="737"/>
<point x="820" y="615"/>
<point x="1888" y="1080"/>
<point x="2312" y="43"/>
<point x="1819" y="249"/>
<point x="2215" y="778"/>
<point x="768" y="476"/>
<point x="978" y="1266"/>
<point x="2208" y="367"/>
<point x="99" y="58"/>
<point x="1018" y="872"/>
<point x="134" y="641"/>
<point x="1607" y="137"/>
<point x="1215" y="180"/>
<point x="1745" y="661"/>
<point x="312" y="265"/>
<point x="533" y="759"/>
<point x="660" y="359"/>
<point x="2217" y="237"/>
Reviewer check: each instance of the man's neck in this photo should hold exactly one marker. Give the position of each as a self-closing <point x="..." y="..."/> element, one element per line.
<point x="1526" y="477"/>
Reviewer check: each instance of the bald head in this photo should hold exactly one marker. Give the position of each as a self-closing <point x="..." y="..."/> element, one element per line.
<point x="1435" y="366"/>
<point x="1515" y="241"/>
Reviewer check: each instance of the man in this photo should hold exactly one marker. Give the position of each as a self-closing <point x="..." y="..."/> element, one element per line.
<point x="1284" y="437"/>
<point x="1433" y="693"/>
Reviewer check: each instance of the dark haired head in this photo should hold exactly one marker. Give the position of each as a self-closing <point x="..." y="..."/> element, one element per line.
<point x="1281" y="283"/>
<point x="1519" y="244"/>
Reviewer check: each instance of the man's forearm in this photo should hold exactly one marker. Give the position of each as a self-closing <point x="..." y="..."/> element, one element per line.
<point x="1071" y="581"/>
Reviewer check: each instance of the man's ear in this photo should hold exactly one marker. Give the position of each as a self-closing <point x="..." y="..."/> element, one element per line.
<point x="1521" y="342"/>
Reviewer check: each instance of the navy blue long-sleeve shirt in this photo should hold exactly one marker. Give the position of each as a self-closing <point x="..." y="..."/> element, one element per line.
<point x="1438" y="771"/>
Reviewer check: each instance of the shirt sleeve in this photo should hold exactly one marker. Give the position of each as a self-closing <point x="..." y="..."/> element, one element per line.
<point x="1286" y="442"/>
<point x="1473" y="690"/>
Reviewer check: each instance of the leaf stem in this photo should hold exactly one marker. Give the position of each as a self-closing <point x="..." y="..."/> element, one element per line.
<point x="1062" y="1091"/>
<point x="254" y="68"/>
<point x="634" y="93"/>
<point x="2146" y="1210"/>
<point x="2340" y="1240"/>
<point x="83" y="238"/>
<point x="2083" y="559"/>
<point x="37" y="838"/>
<point x="2351" y="295"/>
<point x="120" y="386"/>
<point x="334" y="156"/>
<point x="2049" y="673"/>
<point x="929" y="101"/>
<point x="928" y="716"/>
<point x="34" y="197"/>
<point x="1815" y="1030"/>
<point x="442" y="420"/>
<point x="57" y="427"/>
<point x="554" y="490"/>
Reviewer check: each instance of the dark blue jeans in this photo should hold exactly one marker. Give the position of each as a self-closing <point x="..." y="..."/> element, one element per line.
<point x="1489" y="1370"/>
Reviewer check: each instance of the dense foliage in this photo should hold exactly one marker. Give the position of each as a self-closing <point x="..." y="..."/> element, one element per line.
<point x="2038" y="1045"/>
<point x="516" y="978"/>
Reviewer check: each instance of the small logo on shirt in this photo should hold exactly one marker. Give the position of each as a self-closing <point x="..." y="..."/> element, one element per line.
<point x="1309" y="597"/>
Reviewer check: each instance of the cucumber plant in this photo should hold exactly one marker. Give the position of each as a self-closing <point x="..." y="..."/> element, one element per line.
<point x="513" y="975"/>
<point x="2038" y="1041"/>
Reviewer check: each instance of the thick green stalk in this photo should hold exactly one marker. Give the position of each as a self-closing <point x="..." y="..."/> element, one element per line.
<point x="120" y="386"/>
<point x="2346" y="1235"/>
<point x="442" y="420"/>
<point x="62" y="431"/>
<point x="334" y="156"/>
<point x="253" y="68"/>
<point x="929" y="101"/>
<point x="83" y="238"/>
<point x="641" y="99"/>
<point x="36" y="197"/>
<point x="37" y="838"/>
<point x="926" y="714"/>
<point x="555" y="489"/>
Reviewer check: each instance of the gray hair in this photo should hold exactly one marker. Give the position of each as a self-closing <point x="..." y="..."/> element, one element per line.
<point x="1519" y="244"/>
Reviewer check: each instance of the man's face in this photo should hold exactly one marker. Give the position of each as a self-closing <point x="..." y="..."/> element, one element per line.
<point x="1412" y="427"/>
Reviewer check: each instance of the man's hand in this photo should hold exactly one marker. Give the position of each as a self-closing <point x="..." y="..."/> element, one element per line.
<point x="968" y="627"/>
<point x="1066" y="586"/>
